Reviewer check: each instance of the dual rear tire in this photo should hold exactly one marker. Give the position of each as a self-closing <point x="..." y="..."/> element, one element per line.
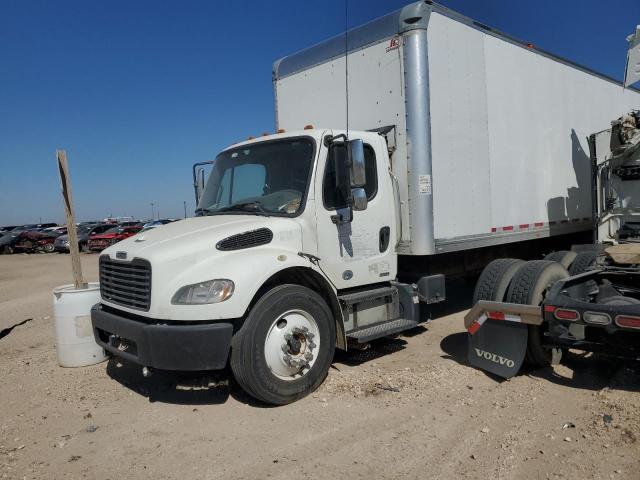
<point x="515" y="281"/>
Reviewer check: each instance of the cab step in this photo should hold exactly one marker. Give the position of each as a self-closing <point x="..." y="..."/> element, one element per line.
<point x="366" y="334"/>
<point x="366" y="295"/>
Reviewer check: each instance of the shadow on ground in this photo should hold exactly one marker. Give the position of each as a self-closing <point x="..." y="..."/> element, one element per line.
<point x="181" y="388"/>
<point x="589" y="371"/>
<point x="376" y="349"/>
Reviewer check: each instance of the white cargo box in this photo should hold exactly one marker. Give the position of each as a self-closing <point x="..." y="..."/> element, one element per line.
<point x="490" y="133"/>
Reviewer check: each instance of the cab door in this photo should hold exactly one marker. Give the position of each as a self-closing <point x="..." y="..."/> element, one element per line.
<point x="362" y="251"/>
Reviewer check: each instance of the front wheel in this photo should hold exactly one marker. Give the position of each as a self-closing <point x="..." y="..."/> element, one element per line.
<point x="48" y="248"/>
<point x="284" y="349"/>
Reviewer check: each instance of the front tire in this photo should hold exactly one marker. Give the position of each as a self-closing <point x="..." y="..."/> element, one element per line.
<point x="284" y="349"/>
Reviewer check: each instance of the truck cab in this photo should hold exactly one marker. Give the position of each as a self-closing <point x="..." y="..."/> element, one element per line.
<point x="292" y="253"/>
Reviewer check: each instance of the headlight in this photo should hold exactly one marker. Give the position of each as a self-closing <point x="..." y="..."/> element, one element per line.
<point x="212" y="291"/>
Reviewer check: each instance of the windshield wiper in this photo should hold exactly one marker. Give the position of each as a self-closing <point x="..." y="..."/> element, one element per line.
<point x="254" y="204"/>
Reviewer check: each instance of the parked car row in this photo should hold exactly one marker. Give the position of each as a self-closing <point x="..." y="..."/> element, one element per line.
<point x="49" y="237"/>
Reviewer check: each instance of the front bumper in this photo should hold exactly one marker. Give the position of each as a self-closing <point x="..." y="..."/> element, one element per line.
<point x="185" y="347"/>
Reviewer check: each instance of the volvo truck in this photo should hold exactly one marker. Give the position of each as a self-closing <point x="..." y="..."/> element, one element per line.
<point x="417" y="145"/>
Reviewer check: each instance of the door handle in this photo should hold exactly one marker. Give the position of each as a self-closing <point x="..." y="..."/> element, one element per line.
<point x="385" y="234"/>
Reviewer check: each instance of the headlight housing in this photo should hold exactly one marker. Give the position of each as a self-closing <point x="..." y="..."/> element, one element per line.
<point x="211" y="291"/>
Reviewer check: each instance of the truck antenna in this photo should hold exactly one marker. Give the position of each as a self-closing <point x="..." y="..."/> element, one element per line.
<point x="346" y="65"/>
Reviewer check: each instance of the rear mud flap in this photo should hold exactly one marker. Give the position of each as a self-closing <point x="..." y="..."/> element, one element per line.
<point x="498" y="347"/>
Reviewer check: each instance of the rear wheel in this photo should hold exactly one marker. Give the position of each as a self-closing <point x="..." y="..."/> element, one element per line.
<point x="495" y="278"/>
<point x="529" y="286"/>
<point x="284" y="349"/>
<point x="582" y="262"/>
<point x="563" y="257"/>
<point x="48" y="248"/>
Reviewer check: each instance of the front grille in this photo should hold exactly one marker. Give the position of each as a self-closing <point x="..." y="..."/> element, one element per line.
<point x="126" y="283"/>
<point x="254" y="238"/>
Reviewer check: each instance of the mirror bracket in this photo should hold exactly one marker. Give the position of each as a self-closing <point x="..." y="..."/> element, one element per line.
<point x="342" y="216"/>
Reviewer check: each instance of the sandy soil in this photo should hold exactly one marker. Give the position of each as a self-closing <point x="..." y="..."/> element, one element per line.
<point x="409" y="407"/>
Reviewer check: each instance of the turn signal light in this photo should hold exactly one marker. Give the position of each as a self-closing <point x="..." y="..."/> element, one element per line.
<point x="566" y="314"/>
<point x="597" y="318"/>
<point x="628" y="321"/>
<point x="280" y="130"/>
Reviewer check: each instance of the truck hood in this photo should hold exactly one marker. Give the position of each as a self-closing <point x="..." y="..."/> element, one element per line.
<point x="190" y="238"/>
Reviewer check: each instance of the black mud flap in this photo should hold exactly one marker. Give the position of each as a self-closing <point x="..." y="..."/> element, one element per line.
<point x="499" y="347"/>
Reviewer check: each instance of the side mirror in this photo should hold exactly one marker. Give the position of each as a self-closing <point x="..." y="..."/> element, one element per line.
<point x="359" y="198"/>
<point x="356" y="163"/>
<point x="199" y="184"/>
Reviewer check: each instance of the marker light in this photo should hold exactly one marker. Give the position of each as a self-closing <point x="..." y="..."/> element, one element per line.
<point x="628" y="321"/>
<point x="597" y="318"/>
<point x="566" y="314"/>
<point x="308" y="127"/>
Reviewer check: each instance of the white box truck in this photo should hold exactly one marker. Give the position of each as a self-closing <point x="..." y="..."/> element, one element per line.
<point x="461" y="142"/>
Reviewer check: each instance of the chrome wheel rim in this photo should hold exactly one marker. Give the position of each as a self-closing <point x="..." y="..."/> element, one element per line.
<point x="292" y="345"/>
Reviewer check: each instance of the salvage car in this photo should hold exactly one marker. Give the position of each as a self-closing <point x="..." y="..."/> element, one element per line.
<point x="28" y="242"/>
<point x="111" y="236"/>
<point x="85" y="232"/>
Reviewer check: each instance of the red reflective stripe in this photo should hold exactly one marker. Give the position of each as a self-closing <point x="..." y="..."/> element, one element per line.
<point x="474" y="327"/>
<point x="552" y="223"/>
<point x="506" y="229"/>
<point x="539" y="224"/>
<point x="524" y="225"/>
<point x="494" y="229"/>
<point x="495" y="315"/>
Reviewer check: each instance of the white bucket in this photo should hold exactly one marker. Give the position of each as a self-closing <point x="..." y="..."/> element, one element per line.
<point x="75" y="343"/>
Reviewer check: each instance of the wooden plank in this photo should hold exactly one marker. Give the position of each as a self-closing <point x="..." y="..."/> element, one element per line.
<point x="72" y="233"/>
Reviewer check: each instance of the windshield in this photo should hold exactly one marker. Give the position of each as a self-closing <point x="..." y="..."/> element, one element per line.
<point x="113" y="230"/>
<point x="267" y="178"/>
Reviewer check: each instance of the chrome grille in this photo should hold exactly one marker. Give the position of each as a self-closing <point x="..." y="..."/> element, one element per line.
<point x="126" y="283"/>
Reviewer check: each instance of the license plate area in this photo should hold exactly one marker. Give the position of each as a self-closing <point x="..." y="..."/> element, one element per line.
<point x="119" y="343"/>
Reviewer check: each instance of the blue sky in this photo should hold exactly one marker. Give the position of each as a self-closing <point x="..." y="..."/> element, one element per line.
<point x="137" y="91"/>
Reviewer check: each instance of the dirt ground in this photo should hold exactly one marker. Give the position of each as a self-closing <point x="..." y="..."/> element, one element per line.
<point x="409" y="407"/>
